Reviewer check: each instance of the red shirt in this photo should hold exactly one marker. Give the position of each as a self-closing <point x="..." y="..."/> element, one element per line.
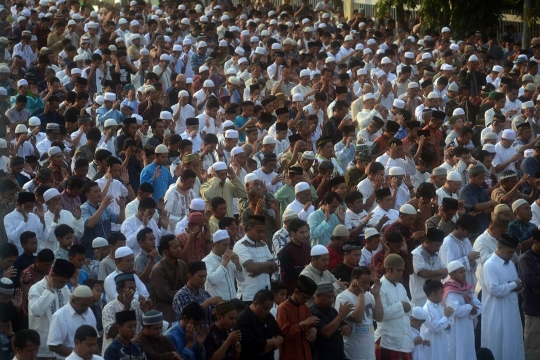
<point x="336" y="257"/>
<point x="35" y="277"/>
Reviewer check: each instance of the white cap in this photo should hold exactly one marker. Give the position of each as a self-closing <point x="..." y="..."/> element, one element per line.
<point x="197" y="205"/>
<point x="99" y="99"/>
<point x="445" y="29"/>
<point x="109" y="96"/>
<point x="165" y="115"/>
<point x="134" y="36"/>
<point x="349" y="38"/>
<point x="454" y="47"/>
<point x="183" y="93"/>
<point x="145" y="52"/>
<point x="176" y="47"/>
<point x="368" y="96"/>
<point x="458" y="111"/>
<point x="21" y="128"/>
<point x="202" y="44"/>
<point x="497" y="68"/>
<point x="413" y="85"/>
<point x="242" y="60"/>
<point x="446" y="67"/>
<point x="231" y="134"/>
<point x="454" y="176"/>
<point x="239" y="51"/>
<point x="208" y="84"/>
<point x="371" y="41"/>
<point x="301" y="186"/>
<point x="509" y="134"/>
<point x="371" y="232"/>
<point x="268" y="140"/>
<point x="83" y="291"/>
<point x="122" y="252"/>
<point x="134" y="23"/>
<point x="219" y="166"/>
<point x="234" y="80"/>
<point x="367" y="51"/>
<point x="164" y="57"/>
<point x="489" y="148"/>
<point x="454" y="265"/>
<point x="99" y="242"/>
<point x="305" y="72"/>
<point x="409" y="55"/>
<point x="265" y="33"/>
<point x="527" y="104"/>
<point x="386" y="60"/>
<point x="289" y="214"/>
<point x="329" y="60"/>
<point x="528" y="153"/>
<point x="93" y="25"/>
<point x="34" y="121"/>
<point x="220" y="235"/>
<point x="3" y="144"/>
<point x="398" y="103"/>
<point x="433" y="95"/>
<point x="276" y="46"/>
<point x="396" y="171"/>
<point x="223" y="43"/>
<point x="187" y="42"/>
<point x="22" y="82"/>
<point x="453" y="87"/>
<point x="203" y="68"/>
<point x="161" y="149"/>
<point x="419" y="313"/>
<point x="318" y="250"/>
<point x="361" y="72"/>
<point x="110" y="122"/>
<point x="122" y="21"/>
<point x="359" y="47"/>
<point x="250" y="177"/>
<point x="381" y="73"/>
<point x="231" y="71"/>
<point x="297" y="97"/>
<point x="426" y="56"/>
<point x="237" y="150"/>
<point x="308" y="29"/>
<point x="253" y="39"/>
<point x="473" y="58"/>
<point x="72" y="22"/>
<point x="51" y="193"/>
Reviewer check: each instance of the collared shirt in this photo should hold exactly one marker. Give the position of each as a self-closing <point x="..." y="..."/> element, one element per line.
<point x="321" y="230"/>
<point x="503" y="155"/>
<point x="177" y="336"/>
<point x="110" y="287"/>
<point x="15" y="225"/>
<point x="220" y="279"/>
<point x="529" y="272"/>
<point x="422" y="260"/>
<point x="101" y="229"/>
<point x="74" y="356"/>
<point x="472" y="195"/>
<point x="69" y="203"/>
<point x="186" y="295"/>
<point x="456" y="249"/>
<point x="161" y="184"/>
<point x="521" y="230"/>
<point x="64" y="323"/>
<point x="109" y="319"/>
<point x="165" y="280"/>
<point x="131" y="227"/>
<point x="141" y="260"/>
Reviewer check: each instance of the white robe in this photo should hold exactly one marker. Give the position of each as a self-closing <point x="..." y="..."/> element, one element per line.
<point x="419" y="351"/>
<point x="461" y="340"/>
<point x="298" y="208"/>
<point x="454" y="249"/>
<point x="502" y="331"/>
<point x="436" y="330"/>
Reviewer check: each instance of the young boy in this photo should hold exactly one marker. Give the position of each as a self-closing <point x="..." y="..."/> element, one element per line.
<point x="346" y="148"/>
<point x="77" y="256"/>
<point x="122" y="347"/>
<point x="279" y="289"/>
<point x="29" y="244"/>
<point x="459" y="295"/>
<point x="6" y="334"/>
<point x="368" y="135"/>
<point x="437" y="325"/>
<point x="148" y="256"/>
<point x="373" y="240"/>
<point x="64" y="235"/>
<point x="356" y="217"/>
<point x="96" y="307"/>
<point x="420" y="350"/>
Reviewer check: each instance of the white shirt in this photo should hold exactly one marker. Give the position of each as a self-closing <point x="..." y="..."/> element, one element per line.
<point x="436" y="330"/>
<point x="364" y="117"/>
<point x="422" y="260"/>
<point x="267" y="178"/>
<point x="535" y="213"/>
<point x="407" y="165"/>
<point x="220" y="279"/>
<point x="298" y="208"/>
<point x="110" y="287"/>
<point x="15" y="225"/>
<point x="165" y="78"/>
<point x="185" y="112"/>
<point x="41" y="310"/>
<point x="301" y="89"/>
<point x="211" y="128"/>
<point x="200" y="96"/>
<point x="131" y="227"/>
<point x="509" y="106"/>
<point x="366" y="188"/>
<point x="65" y="323"/>
<point x="66" y="217"/>
<point x="378" y="213"/>
<point x="116" y="189"/>
<point x="365" y="259"/>
<point x="352" y="219"/>
<point x="359" y="345"/>
<point x="133" y="206"/>
<point x="403" y="195"/>
<point x="248" y="250"/>
<point x="394" y="330"/>
<point x="455" y="249"/>
<point x="25" y="51"/>
<point x="177" y="204"/>
<point x="503" y="155"/>
<point x="74" y="356"/>
<point x="271" y="70"/>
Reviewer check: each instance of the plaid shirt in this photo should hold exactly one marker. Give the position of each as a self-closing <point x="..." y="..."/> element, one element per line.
<point x="186" y="295"/>
<point x="197" y="61"/>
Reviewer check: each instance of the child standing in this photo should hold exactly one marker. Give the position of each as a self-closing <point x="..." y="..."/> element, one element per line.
<point x="122" y="347"/>
<point x="64" y="235"/>
<point x="29" y="243"/>
<point x="437" y="325"/>
<point x="420" y="349"/>
<point x="459" y="295"/>
<point x="279" y="289"/>
<point x="373" y="240"/>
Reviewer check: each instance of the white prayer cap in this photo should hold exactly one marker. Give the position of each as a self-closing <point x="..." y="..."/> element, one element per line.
<point x="398" y="103"/>
<point x="203" y="19"/>
<point x="234" y="80"/>
<point x="164" y="57"/>
<point x="458" y="111"/>
<point x="20" y="19"/>
<point x="72" y="22"/>
<point x="227" y="123"/>
<point x="109" y="96"/>
<point x="185" y="21"/>
<point x="305" y="72"/>
<point x="445" y="29"/>
<point x="528" y="153"/>
<point x="138" y="118"/>
<point x="83" y="291"/>
<point x="260" y="50"/>
<point x="490" y="136"/>
<point x="22" y="82"/>
<point x="99" y="99"/>
<point x="308" y="29"/>
<point x="51" y="193"/>
<point x="381" y="73"/>
<point x="371" y="41"/>
<point x="239" y="51"/>
<point x="325" y="15"/>
<point x="301" y="186"/>
<point x="176" y="47"/>
<point x="3" y="91"/>
<point x="371" y="232"/>
<point x="419" y="313"/>
<point x="99" y="242"/>
<point x="473" y="58"/>
<point x="21" y="128"/>
<point x="413" y="85"/>
<point x="145" y="51"/>
<point x="92" y="25"/>
<point x="236" y="150"/>
<point x="268" y="140"/>
<point x="122" y="252"/>
<point x="231" y="134"/>
<point x="182" y="7"/>
<point x="454" y="47"/>
<point x="396" y="171"/>
<point x="219" y="166"/>
<point x="265" y="33"/>
<point x="297" y="97"/>
<point x="319" y="250"/>
<point x="134" y="23"/>
<point x="276" y="46"/>
<point x="202" y="44"/>
<point x="165" y="115"/>
<point x="361" y="72"/>
<point x="308" y="155"/>
<point x="454" y="265"/>
<point x="407" y="209"/>
<point x="250" y="177"/>
<point x="3" y="144"/>
<point x="245" y="33"/>
<point x="110" y="122"/>
<point x="197" y="205"/>
<point x="289" y="214"/>
<point x="234" y="28"/>
<point x="409" y="55"/>
<point x="34" y="121"/>
<point x="453" y="176"/>
<point x="367" y="51"/>
<point x="114" y="48"/>
<point x="203" y="69"/>
<point x="386" y="60"/>
<point x="223" y="43"/>
<point x="183" y="93"/>
<point x="426" y="56"/>
<point x="224" y="17"/>
<point x="433" y="95"/>
<point x="208" y="84"/>
<point x="359" y="47"/>
<point x="509" y="134"/>
<point x="220" y="235"/>
<point x="453" y="87"/>
<point x="349" y="38"/>
<point x="242" y="60"/>
<point x="447" y="67"/>
<point x="329" y="60"/>
<point x="253" y="39"/>
<point x="497" y="68"/>
<point x="134" y="36"/>
<point x="161" y="149"/>
<point x="527" y="104"/>
<point x="187" y="42"/>
<point x="76" y="71"/>
<point x="368" y="96"/>
<point x="122" y="21"/>
<point x="518" y="203"/>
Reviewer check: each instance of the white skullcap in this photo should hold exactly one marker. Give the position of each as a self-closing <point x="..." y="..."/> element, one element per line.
<point x="197" y="205"/>
<point x="122" y="21"/>
<point x="145" y="51"/>
<point x="187" y="42"/>
<point x="453" y="87"/>
<point x="72" y="22"/>
<point x="386" y="60"/>
<point x="250" y="177"/>
<point x="301" y="186"/>
<point x="165" y="57"/>
<point x="453" y="176"/>
<point x="305" y="72"/>
<point x="22" y="82"/>
<point x="407" y="209"/>
<point x="433" y="95"/>
<point x="528" y="153"/>
<point x="177" y="47"/>
<point x="110" y="122"/>
<point x="297" y="97"/>
<point x="381" y="73"/>
<point x="245" y="33"/>
<point x="268" y="140"/>
<point x="183" y="93"/>
<point x="239" y="51"/>
<point x="134" y="36"/>
<point x="161" y="149"/>
<point x="454" y="47"/>
<point x="359" y="47"/>
<point x="454" y="265"/>
<point x="368" y="96"/>
<point x="329" y="60"/>
<point x="276" y="46"/>
<point x="220" y="235"/>
<point x="76" y="71"/>
<point x="134" y="23"/>
<point x="509" y="134"/>
<point x="473" y="58"/>
<point x="516" y="204"/>
<point x="367" y="51"/>
<point x="497" y="68"/>
<point x="242" y="60"/>
<point x="318" y="250"/>
<point x="398" y="103"/>
<point x="446" y="67"/>
<point x="371" y="41"/>
<point x="413" y="85"/>
<point x="21" y="128"/>
<point x="260" y="50"/>
<point x="458" y="111"/>
<point x="122" y="252"/>
<point x="3" y="144"/>
<point x="83" y="291"/>
<point x="99" y="242"/>
<point x="34" y="121"/>
<point x="349" y="38"/>
<point x="109" y="96"/>
<point x="445" y="29"/>
<point x="203" y="69"/>
<point x="219" y="166"/>
<point x="527" y="104"/>
<point x="165" y="115"/>
<point x="371" y="232"/>
<point x="231" y="134"/>
<point x="202" y="44"/>
<point x="426" y="56"/>
<point x="396" y="171"/>
<point x="51" y="193"/>
<point x="236" y="150"/>
<point x="361" y="72"/>
<point x="53" y="151"/>
<point x="223" y="43"/>
<point x="419" y="313"/>
<point x="234" y="80"/>
<point x="208" y="84"/>
<point x="409" y="55"/>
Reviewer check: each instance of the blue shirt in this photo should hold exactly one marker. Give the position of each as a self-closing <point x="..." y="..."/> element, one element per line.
<point x="239" y="122"/>
<point x="177" y="337"/>
<point x="101" y="229"/>
<point x="103" y="114"/>
<point x="521" y="230"/>
<point x="163" y="181"/>
<point x="402" y="133"/>
<point x="83" y="275"/>
<point x="32" y="103"/>
<point x="117" y="350"/>
<point x="531" y="166"/>
<point x="472" y="195"/>
<point x="133" y="104"/>
<point x="320" y="231"/>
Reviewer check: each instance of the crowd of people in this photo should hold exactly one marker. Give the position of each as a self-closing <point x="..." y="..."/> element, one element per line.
<point x="265" y="181"/>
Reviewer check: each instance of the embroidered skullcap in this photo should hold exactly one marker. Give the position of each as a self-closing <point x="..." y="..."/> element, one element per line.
<point x="289" y="214"/>
<point x="407" y="209"/>
<point x="325" y="288"/>
<point x="225" y="307"/>
<point x="393" y="261"/>
<point x="518" y="203"/>
<point x="6" y="286"/>
<point x="152" y="317"/>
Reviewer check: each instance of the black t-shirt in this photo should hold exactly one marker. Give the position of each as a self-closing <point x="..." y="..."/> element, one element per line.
<point x="122" y="77"/>
<point x="214" y="340"/>
<point x="327" y="348"/>
<point x="342" y="272"/>
<point x="71" y="115"/>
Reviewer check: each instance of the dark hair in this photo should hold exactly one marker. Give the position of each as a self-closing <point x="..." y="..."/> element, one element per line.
<point x="85" y="331"/>
<point x="89" y="185"/>
<point x="93" y="134"/>
<point x="352" y="196"/>
<point x="425" y="190"/>
<point x="263" y="296"/>
<point x="226" y="222"/>
<point x="27" y="235"/>
<point x="276" y="286"/>
<point x="147" y="203"/>
<point x="92" y="282"/>
<point x="216" y="201"/>
<point x="7" y="184"/>
<point x="62" y="230"/>
<point x="431" y="286"/>
<point x="76" y="249"/>
<point x="101" y="154"/>
<point x="111" y="161"/>
<point x="329" y="197"/>
<point x="359" y="271"/>
<point x="295" y="224"/>
<point x="75" y="182"/>
<point x="465" y="131"/>
<point x="7" y="250"/>
<point x="375" y="167"/>
<point x="194" y="311"/>
<point x="164" y="242"/>
<point x="141" y="235"/>
<point x="115" y="237"/>
<point x="45" y="255"/>
<point x="211" y="139"/>
<point x="22" y="336"/>
<point x="467" y="222"/>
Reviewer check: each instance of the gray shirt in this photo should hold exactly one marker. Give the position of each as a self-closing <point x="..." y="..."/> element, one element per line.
<point x="141" y="260"/>
<point x="106" y="266"/>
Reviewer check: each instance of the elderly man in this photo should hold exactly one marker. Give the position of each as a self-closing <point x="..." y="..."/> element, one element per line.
<point x="507" y="156"/>
<point x="218" y="186"/>
<point x="509" y="192"/>
<point x="521" y="228"/>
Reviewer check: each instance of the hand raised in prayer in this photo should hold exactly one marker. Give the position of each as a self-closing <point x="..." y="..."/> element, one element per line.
<point x="74" y="281"/>
<point x="376" y="287"/>
<point x="106" y="202"/>
<point x="234" y="337"/>
<point x="17" y="299"/>
<point x="160" y="205"/>
<point x="121" y="201"/>
<point x="128" y="298"/>
<point x="201" y="334"/>
<point x="145" y="305"/>
<point x="11" y="272"/>
<point x="164" y="219"/>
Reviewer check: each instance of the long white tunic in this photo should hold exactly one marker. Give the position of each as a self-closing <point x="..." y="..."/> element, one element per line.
<point x="220" y="279"/>
<point x="419" y="351"/>
<point x="503" y="155"/>
<point x="131" y="227"/>
<point x="66" y="217"/>
<point x="422" y="260"/>
<point x="455" y="249"/>
<point x="436" y="330"/>
<point x="502" y="331"/>
<point x="366" y="188"/>
<point x="461" y="340"/>
<point x="378" y="213"/>
<point x="15" y="225"/>
<point x="298" y="208"/>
